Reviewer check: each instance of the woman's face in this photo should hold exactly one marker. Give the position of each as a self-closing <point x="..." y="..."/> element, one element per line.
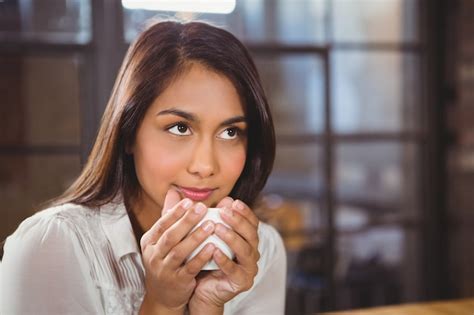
<point x="193" y="139"/>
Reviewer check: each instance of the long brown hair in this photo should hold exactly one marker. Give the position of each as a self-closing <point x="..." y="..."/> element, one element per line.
<point x="160" y="54"/>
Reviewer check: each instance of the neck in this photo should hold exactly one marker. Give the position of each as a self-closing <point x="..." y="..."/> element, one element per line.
<point x="143" y="214"/>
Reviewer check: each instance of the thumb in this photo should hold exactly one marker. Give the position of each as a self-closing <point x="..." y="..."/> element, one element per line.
<point x="171" y="199"/>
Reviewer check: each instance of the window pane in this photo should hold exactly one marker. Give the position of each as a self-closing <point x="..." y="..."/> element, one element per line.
<point x="460" y="177"/>
<point x="377" y="266"/>
<point x="252" y="20"/>
<point x="297" y="171"/>
<point x="375" y="20"/>
<point x="294" y="88"/>
<point x="461" y="239"/>
<point x="301" y="224"/>
<point x="290" y="22"/>
<point x="40" y="100"/>
<point x="300" y="221"/>
<point x="135" y="20"/>
<point x="60" y="21"/>
<point x="375" y="91"/>
<point x="378" y="178"/>
<point x="28" y="181"/>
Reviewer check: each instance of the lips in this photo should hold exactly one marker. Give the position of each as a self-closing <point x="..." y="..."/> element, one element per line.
<point x="196" y="194"/>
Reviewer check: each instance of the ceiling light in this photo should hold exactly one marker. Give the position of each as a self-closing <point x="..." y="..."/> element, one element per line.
<point x="203" y="6"/>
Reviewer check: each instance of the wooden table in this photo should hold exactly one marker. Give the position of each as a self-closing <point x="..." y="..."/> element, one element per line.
<point x="453" y="307"/>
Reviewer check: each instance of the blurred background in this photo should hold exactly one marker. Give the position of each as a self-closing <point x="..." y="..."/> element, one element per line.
<point x="373" y="103"/>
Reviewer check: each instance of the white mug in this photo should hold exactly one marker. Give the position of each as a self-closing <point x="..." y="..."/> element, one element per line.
<point x="213" y="214"/>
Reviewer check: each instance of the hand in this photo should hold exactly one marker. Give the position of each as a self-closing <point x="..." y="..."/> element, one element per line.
<point x="169" y="279"/>
<point x="215" y="288"/>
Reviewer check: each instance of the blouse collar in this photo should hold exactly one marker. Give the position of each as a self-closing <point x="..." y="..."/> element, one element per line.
<point x="118" y="229"/>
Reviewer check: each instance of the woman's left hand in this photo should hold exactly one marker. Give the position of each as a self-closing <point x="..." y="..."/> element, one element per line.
<point x="215" y="288"/>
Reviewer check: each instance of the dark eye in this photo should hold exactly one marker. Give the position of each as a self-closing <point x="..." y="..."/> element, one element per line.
<point x="180" y="129"/>
<point x="229" y="134"/>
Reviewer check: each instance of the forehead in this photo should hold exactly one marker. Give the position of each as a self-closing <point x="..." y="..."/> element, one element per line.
<point x="201" y="91"/>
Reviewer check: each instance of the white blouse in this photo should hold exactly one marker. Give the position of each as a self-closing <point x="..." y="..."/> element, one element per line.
<point x="72" y="259"/>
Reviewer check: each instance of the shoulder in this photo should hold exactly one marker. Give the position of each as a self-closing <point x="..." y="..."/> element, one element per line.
<point x="268" y="290"/>
<point x="51" y="237"/>
<point x="59" y="223"/>
<point x="46" y="256"/>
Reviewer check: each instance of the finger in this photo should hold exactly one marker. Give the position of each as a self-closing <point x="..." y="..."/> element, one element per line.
<point x="178" y="231"/>
<point x="241" y="225"/>
<point x="225" y="202"/>
<point x="165" y="222"/>
<point x="229" y="267"/>
<point x="171" y="199"/>
<point x="245" y="210"/>
<point x="178" y="254"/>
<point x="246" y="254"/>
<point x="192" y="268"/>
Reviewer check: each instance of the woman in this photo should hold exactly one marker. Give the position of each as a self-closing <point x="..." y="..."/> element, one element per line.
<point x="187" y="127"/>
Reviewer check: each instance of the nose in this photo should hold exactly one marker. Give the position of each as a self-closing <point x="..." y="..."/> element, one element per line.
<point x="203" y="161"/>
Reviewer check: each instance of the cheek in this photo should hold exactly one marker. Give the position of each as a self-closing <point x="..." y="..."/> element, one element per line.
<point x="233" y="164"/>
<point x="158" y="163"/>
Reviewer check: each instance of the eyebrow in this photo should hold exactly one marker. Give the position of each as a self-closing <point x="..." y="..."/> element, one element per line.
<point x="191" y="117"/>
<point x="180" y="113"/>
<point x="233" y="120"/>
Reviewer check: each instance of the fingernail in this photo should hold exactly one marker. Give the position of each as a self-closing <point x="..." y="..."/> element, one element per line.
<point x="238" y="205"/>
<point x="228" y="212"/>
<point x="208" y="226"/>
<point x="200" y="208"/>
<point x="187" y="203"/>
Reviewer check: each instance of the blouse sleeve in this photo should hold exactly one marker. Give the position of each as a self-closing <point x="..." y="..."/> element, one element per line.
<point x="267" y="296"/>
<point x="44" y="271"/>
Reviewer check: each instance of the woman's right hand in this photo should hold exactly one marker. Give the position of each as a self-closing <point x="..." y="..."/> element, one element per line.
<point x="169" y="279"/>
